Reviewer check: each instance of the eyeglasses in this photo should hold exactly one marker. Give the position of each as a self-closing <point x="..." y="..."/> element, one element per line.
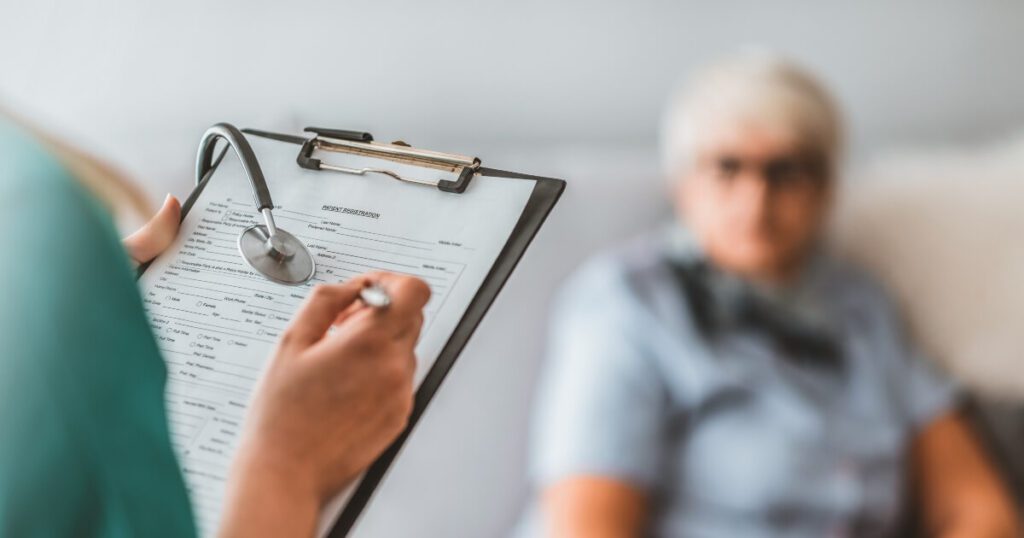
<point x="785" y="171"/>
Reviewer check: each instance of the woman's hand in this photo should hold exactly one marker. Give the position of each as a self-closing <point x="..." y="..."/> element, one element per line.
<point x="329" y="403"/>
<point x="156" y="235"/>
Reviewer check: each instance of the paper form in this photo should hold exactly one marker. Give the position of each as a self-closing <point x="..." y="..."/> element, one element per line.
<point x="216" y="320"/>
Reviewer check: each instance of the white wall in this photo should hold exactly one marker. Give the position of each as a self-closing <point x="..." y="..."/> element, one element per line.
<point x="142" y="79"/>
<point x="570" y="89"/>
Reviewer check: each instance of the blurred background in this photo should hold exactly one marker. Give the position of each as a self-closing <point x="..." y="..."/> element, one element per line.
<point x="933" y="94"/>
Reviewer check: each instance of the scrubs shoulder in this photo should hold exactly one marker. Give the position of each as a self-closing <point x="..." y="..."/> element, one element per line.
<point x="85" y="447"/>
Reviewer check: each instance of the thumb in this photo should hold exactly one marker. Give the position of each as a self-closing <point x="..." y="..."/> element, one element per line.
<point x="157" y="234"/>
<point x="320" y="310"/>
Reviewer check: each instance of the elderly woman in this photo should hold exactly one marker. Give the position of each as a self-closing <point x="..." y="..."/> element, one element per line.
<point x="727" y="376"/>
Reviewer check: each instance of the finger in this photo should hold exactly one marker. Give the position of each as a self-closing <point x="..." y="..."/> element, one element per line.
<point x="411" y="363"/>
<point x="319" y="311"/>
<point x="403" y="318"/>
<point x="156" y="235"/>
<point x="409" y="337"/>
<point x="408" y="294"/>
<point x="410" y="331"/>
<point x="358" y="306"/>
<point x="352" y="309"/>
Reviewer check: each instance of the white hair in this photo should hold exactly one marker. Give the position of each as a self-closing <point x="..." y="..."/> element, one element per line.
<point x="756" y="87"/>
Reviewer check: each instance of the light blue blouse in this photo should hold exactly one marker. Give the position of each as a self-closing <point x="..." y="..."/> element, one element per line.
<point x="731" y="435"/>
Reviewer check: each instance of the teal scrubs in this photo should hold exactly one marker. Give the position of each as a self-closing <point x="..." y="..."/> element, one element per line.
<point x="84" y="443"/>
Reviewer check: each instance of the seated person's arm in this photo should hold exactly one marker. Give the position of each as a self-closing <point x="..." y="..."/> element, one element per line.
<point x="599" y="416"/>
<point x="960" y="492"/>
<point x="594" y="506"/>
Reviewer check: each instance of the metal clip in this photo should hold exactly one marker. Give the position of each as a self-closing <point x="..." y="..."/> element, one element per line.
<point x="362" y="144"/>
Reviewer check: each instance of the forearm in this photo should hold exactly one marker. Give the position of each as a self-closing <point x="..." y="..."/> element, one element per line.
<point x="594" y="507"/>
<point x="979" y="516"/>
<point x="265" y="499"/>
<point x="981" y="529"/>
<point x="960" y="490"/>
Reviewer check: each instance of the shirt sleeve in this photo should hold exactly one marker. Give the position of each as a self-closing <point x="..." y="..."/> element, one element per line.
<point x="929" y="393"/>
<point x="926" y="392"/>
<point x="86" y="449"/>
<point x="600" y="405"/>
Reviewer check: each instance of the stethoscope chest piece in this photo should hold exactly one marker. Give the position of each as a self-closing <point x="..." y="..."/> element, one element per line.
<point x="282" y="259"/>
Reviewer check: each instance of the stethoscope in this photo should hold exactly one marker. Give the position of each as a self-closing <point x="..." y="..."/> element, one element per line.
<point x="274" y="253"/>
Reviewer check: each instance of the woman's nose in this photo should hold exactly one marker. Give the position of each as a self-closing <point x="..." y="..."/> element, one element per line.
<point x="753" y="192"/>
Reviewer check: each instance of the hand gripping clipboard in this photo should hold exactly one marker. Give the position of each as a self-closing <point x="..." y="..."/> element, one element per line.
<point x="313" y="153"/>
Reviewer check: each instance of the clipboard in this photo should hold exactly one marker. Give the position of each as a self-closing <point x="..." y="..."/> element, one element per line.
<point x="309" y="151"/>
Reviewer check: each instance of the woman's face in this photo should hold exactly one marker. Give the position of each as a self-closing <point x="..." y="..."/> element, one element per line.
<point x="755" y="200"/>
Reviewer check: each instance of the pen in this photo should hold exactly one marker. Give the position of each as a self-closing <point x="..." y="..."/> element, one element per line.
<point x="375" y="296"/>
